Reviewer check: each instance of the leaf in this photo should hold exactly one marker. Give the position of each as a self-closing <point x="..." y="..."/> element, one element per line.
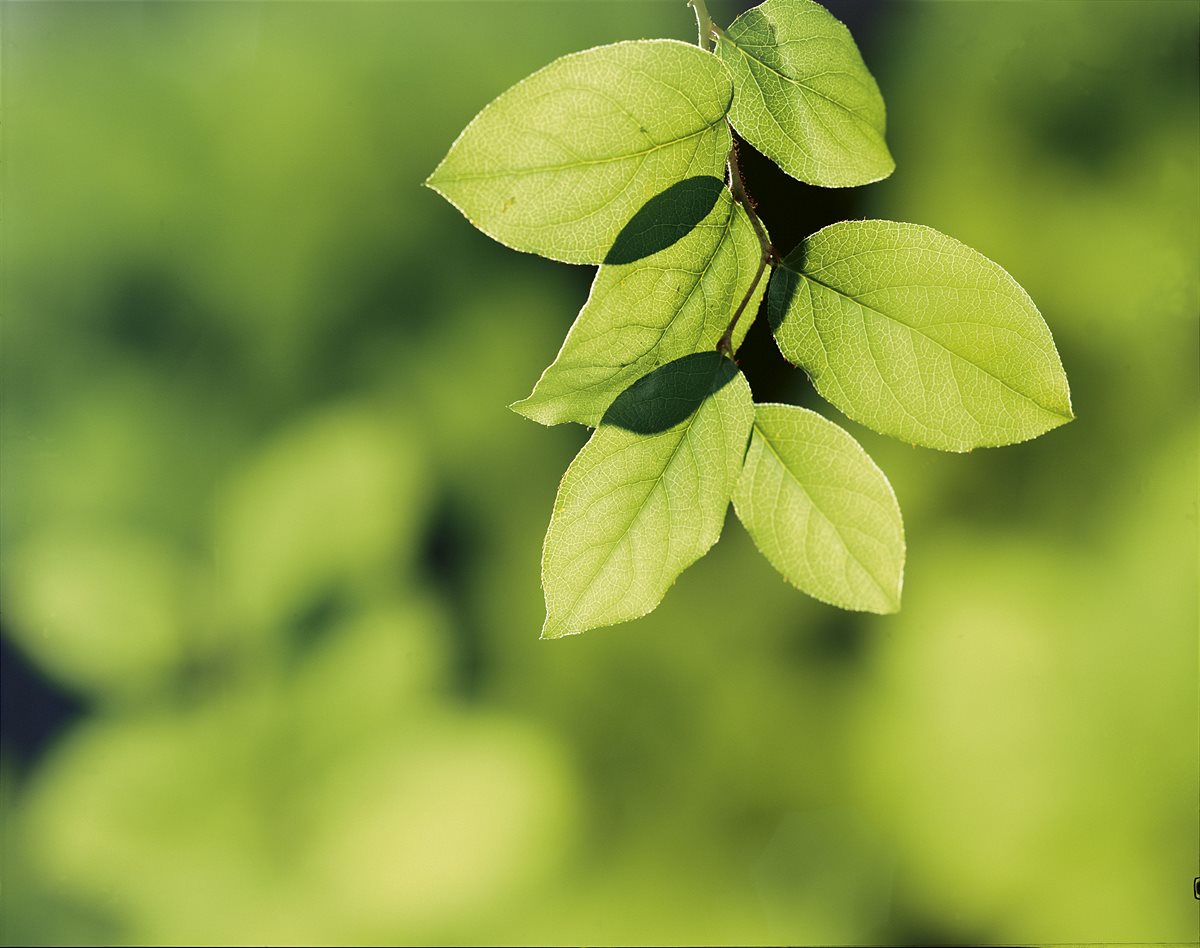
<point x="821" y="510"/>
<point x="918" y="336"/>
<point x="803" y="95"/>
<point x="559" y="163"/>
<point x="102" y="610"/>
<point x="644" y="314"/>
<point x="311" y="514"/>
<point x="647" y="495"/>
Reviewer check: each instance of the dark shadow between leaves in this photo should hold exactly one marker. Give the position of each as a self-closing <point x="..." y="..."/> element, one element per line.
<point x="670" y="394"/>
<point x="783" y="285"/>
<point x="666" y="218"/>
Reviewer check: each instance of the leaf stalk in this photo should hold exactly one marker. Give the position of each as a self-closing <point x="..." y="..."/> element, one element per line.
<point x="769" y="255"/>
<point x="704" y="23"/>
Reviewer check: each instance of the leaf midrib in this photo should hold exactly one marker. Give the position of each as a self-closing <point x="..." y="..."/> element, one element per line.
<point x="937" y="342"/>
<point x="684" y="430"/>
<point x="435" y="179"/>
<point x="816" y="507"/>
<point x="556" y="371"/>
<point x="803" y="85"/>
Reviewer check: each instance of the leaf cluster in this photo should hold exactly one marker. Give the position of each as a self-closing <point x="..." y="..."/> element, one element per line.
<point x="624" y="156"/>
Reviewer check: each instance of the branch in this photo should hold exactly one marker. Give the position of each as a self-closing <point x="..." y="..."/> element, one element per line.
<point x="769" y="254"/>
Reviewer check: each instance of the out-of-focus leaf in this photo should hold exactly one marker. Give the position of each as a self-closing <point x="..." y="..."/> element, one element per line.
<point x="104" y="612"/>
<point x="389" y="657"/>
<point x="394" y="829"/>
<point x="454" y="821"/>
<point x="333" y="500"/>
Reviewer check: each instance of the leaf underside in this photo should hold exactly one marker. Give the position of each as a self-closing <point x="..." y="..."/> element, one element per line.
<point x="803" y="95"/>
<point x="918" y="336"/>
<point x="561" y="162"/>
<point x="646" y="496"/>
<point x="821" y="511"/>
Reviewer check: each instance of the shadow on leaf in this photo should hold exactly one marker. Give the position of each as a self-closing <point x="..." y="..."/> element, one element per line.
<point x="670" y="394"/>
<point x="782" y="288"/>
<point x="666" y="218"/>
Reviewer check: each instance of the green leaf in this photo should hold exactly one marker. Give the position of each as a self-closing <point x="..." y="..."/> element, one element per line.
<point x="918" y="336"/>
<point x="644" y="314"/>
<point x="559" y="163"/>
<point x="101" y="610"/>
<point x="647" y="495"/>
<point x="803" y="95"/>
<point x="821" y="510"/>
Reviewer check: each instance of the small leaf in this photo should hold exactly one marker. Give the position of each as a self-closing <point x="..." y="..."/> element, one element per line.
<point x="918" y="336"/>
<point x="647" y="495"/>
<point x="821" y="510"/>
<point x="803" y="95"/>
<point x="644" y="314"/>
<point x="559" y="163"/>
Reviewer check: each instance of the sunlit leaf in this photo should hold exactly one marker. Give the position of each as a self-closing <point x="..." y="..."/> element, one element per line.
<point x="649" y="312"/>
<point x="647" y="495"/>
<point x="559" y="163"/>
<point x="821" y="510"/>
<point x="803" y="96"/>
<point x="918" y="336"/>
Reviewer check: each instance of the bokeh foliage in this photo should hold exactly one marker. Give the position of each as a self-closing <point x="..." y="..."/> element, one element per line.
<point x="270" y="535"/>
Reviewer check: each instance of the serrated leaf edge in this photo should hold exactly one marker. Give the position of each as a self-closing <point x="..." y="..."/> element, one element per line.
<point x="760" y="291"/>
<point x="546" y="634"/>
<point x="430" y="183"/>
<point x="895" y="599"/>
<point x="723" y="36"/>
<point x="1053" y="413"/>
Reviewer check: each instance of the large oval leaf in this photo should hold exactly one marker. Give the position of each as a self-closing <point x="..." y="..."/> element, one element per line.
<point x="803" y="95"/>
<point x="821" y="510"/>
<point x="644" y="314"/>
<point x="559" y="163"/>
<point x="647" y="495"/>
<point x="918" y="336"/>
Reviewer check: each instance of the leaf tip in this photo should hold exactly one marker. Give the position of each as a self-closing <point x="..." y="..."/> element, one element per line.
<point x="886" y="603"/>
<point x="553" y="628"/>
<point x="880" y="170"/>
<point x="433" y="180"/>
<point x="1059" y="417"/>
<point x="1061" y="406"/>
<point x="889" y="166"/>
<point x="528" y="407"/>
<point x="549" y="412"/>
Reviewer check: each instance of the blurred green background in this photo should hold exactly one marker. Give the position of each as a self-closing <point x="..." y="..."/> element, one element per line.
<point x="270" y="539"/>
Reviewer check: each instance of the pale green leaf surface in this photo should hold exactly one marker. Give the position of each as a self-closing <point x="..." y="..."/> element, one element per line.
<point x="821" y="510"/>
<point x="918" y="336"/>
<point x="644" y="314"/>
<point x="647" y="495"/>
<point x="803" y="95"/>
<point x="559" y="163"/>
